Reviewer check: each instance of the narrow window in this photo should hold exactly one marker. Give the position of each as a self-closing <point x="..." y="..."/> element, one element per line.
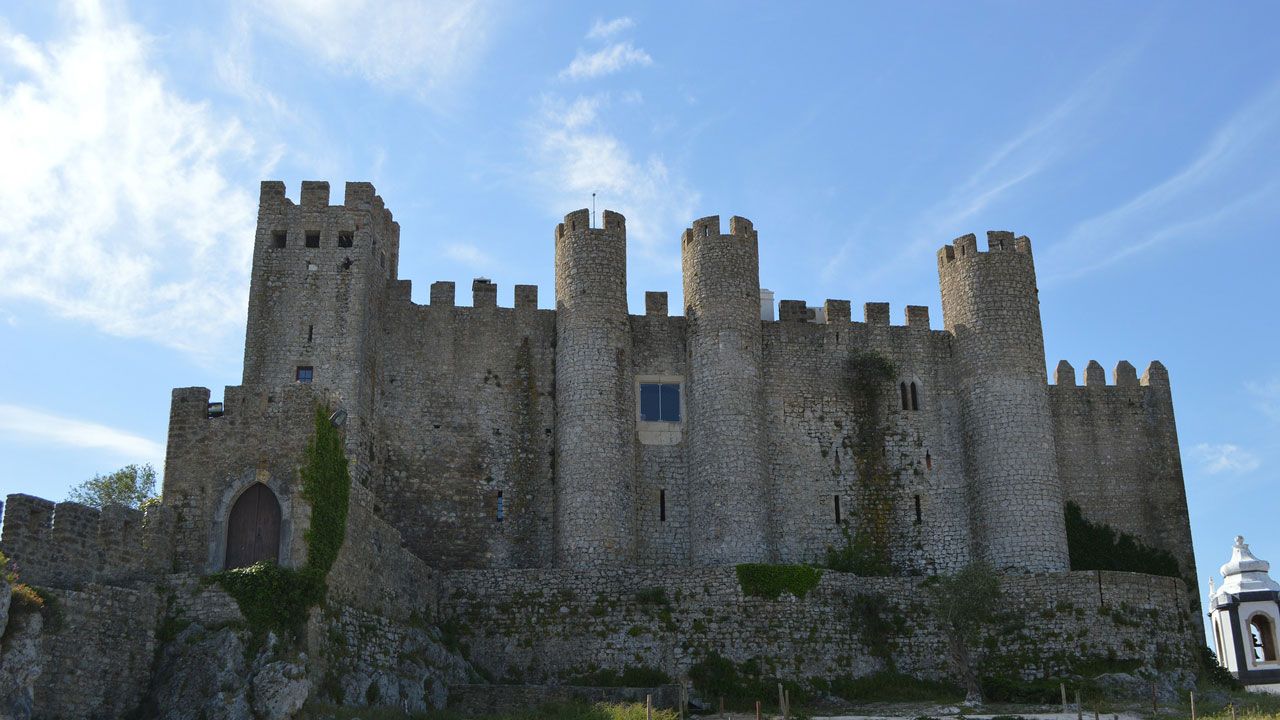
<point x="382" y="259"/>
<point x="346" y="239"/>
<point x="918" y="515"/>
<point x="915" y="398"/>
<point x="278" y="238"/>
<point x="502" y="511"/>
<point x="304" y="373"/>
<point x="662" y="505"/>
<point x="660" y="402"/>
<point x="313" y="240"/>
<point x="902" y="387"/>
<point x="310" y="332"/>
<point x="928" y="460"/>
<point x="1264" y="638"/>
<point x="836" y="498"/>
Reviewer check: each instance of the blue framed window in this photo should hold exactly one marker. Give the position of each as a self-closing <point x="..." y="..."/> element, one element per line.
<point x="660" y="402"/>
<point x="304" y="374"/>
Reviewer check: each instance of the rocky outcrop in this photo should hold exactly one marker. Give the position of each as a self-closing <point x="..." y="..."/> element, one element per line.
<point x="202" y="674"/>
<point x="20" y="661"/>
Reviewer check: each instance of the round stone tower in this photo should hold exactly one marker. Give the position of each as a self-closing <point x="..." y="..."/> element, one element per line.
<point x="727" y="476"/>
<point x="595" y="424"/>
<point x="990" y="306"/>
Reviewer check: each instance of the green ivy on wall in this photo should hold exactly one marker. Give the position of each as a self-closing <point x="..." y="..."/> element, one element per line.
<point x="274" y="598"/>
<point x="770" y="581"/>
<point x="1096" y="546"/>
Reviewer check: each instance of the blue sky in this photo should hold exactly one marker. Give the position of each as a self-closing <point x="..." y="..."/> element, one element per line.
<point x="1135" y="143"/>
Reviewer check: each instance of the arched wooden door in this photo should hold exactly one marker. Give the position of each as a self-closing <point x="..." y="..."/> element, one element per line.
<point x="253" y="530"/>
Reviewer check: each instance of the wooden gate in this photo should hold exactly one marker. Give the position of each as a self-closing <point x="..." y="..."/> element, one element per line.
<point x="253" y="530"/>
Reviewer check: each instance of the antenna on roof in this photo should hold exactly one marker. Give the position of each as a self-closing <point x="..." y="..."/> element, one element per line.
<point x="593" y="209"/>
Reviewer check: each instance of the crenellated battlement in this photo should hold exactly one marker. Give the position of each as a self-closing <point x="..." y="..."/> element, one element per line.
<point x="580" y="220"/>
<point x="1124" y="375"/>
<point x="709" y="226"/>
<point x="839" y="311"/>
<point x="313" y="224"/>
<point x="965" y="247"/>
<point x="67" y="544"/>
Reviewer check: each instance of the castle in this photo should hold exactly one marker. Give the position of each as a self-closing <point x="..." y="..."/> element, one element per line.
<point x="572" y="457"/>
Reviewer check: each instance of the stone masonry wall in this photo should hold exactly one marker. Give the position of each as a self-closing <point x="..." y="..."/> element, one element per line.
<point x="96" y="650"/>
<point x="1118" y="453"/>
<point x="536" y="626"/>
<point x="813" y="420"/>
<point x="466" y="410"/>
<point x="67" y="544"/>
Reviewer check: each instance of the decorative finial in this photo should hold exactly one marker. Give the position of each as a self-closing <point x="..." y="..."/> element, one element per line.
<point x="1239" y="541"/>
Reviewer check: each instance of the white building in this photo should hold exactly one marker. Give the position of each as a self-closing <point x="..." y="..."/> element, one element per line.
<point x="1245" y="613"/>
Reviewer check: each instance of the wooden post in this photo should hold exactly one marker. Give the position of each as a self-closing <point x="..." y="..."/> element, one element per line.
<point x="782" y="703"/>
<point x="788" y="696"/>
<point x="722" y="705"/>
<point x="1063" y="687"/>
<point x="1079" y="710"/>
<point x="1193" y="705"/>
<point x="683" y="701"/>
<point x="648" y="707"/>
<point x="1233" y="711"/>
<point x="1155" y="707"/>
<point x="757" y="710"/>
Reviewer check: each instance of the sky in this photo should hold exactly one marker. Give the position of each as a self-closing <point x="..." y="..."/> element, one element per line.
<point x="1135" y="143"/>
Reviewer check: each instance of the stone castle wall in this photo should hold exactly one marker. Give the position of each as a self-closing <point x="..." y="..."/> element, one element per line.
<point x="67" y="544"/>
<point x="535" y="626"/>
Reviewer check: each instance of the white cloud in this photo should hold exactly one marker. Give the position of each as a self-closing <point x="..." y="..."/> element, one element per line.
<point x="602" y="30"/>
<point x="422" y="45"/>
<point x="468" y="254"/>
<point x="116" y="197"/>
<point x="44" y="428"/>
<point x="577" y="155"/>
<point x="606" y="62"/>
<point x="1225" y="457"/>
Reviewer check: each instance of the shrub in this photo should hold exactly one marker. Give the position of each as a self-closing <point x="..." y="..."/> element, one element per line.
<point x="770" y="581"/>
<point x="1097" y="546"/>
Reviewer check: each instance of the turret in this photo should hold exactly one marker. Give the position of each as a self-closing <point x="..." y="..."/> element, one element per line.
<point x="727" y="475"/>
<point x="320" y="274"/>
<point x="595" y="425"/>
<point x="990" y="306"/>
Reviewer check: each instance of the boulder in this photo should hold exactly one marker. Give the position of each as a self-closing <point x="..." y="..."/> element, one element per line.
<point x="279" y="690"/>
<point x="20" y="664"/>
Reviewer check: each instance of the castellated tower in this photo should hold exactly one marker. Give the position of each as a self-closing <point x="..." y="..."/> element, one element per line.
<point x="727" y="478"/>
<point x="990" y="306"/>
<point x="595" y="423"/>
<point x="320" y="274"/>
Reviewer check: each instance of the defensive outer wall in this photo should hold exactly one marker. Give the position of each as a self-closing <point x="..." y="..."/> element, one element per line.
<point x="508" y="496"/>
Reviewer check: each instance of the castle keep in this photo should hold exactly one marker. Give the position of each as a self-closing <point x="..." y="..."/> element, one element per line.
<point x="565" y="459"/>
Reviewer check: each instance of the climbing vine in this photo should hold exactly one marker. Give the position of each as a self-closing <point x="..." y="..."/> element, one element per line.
<point x="866" y="549"/>
<point x="1096" y="546"/>
<point x="274" y="598"/>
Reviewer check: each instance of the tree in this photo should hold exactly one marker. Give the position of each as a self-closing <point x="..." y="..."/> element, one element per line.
<point x="963" y="605"/>
<point x="131" y="486"/>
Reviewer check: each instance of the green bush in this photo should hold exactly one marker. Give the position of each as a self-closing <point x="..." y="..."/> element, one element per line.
<point x="273" y="598"/>
<point x="1096" y="546"/>
<point x="652" y="596"/>
<point x="891" y="687"/>
<point x="770" y="581"/>
<point x="631" y="677"/>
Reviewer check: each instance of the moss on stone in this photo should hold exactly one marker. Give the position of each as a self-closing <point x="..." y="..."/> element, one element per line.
<point x="770" y="581"/>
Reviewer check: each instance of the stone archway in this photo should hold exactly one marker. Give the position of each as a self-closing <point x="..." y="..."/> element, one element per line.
<point x="253" y="528"/>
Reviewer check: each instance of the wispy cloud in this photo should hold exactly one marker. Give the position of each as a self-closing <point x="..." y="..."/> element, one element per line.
<point x="1216" y="459"/>
<point x="468" y="254"/>
<point x="1010" y="165"/>
<point x="36" y="426"/>
<point x="1266" y="396"/>
<point x="576" y="154"/>
<point x="123" y="202"/>
<point x="419" y="45"/>
<point x="610" y="60"/>
<point x="602" y="29"/>
<point x="1221" y="181"/>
